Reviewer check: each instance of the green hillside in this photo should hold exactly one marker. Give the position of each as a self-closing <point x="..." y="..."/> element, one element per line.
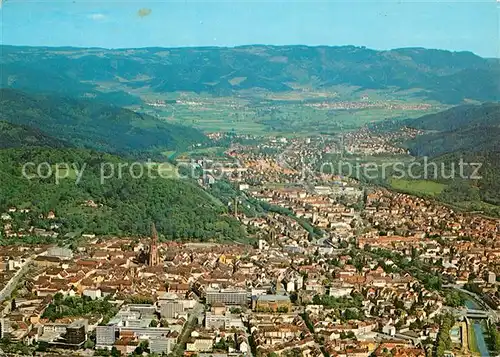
<point x="468" y="134"/>
<point x="460" y="117"/>
<point x="91" y="124"/>
<point x="481" y="138"/>
<point x="18" y="136"/>
<point x="484" y="189"/>
<point x="127" y="205"/>
<point x="32" y="77"/>
<point x="471" y="128"/>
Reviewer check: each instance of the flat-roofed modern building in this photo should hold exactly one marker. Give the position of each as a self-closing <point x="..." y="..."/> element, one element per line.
<point x="134" y="320"/>
<point x="227" y="296"/>
<point x="76" y="333"/>
<point x="162" y="344"/>
<point x="171" y="308"/>
<point x="4" y="328"/>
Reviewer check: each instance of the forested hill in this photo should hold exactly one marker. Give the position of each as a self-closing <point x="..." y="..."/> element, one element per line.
<point x="486" y="189"/>
<point x="468" y="134"/>
<point x="20" y="136"/>
<point x="460" y="117"/>
<point x="91" y="124"/>
<point x="448" y="77"/>
<point x="471" y="128"/>
<point x="124" y="206"/>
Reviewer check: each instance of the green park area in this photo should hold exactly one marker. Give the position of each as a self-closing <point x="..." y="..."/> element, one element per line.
<point x="419" y="187"/>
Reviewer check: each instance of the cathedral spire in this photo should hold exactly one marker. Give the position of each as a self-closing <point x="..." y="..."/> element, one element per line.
<point x="154" y="258"/>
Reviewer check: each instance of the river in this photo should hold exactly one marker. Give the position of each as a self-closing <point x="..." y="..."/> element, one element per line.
<point x="478" y="329"/>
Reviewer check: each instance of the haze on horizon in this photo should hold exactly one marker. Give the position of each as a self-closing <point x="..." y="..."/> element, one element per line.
<point x="456" y="26"/>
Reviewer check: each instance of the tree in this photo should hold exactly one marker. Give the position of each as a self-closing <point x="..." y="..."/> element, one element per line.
<point x="221" y="345"/>
<point x="398" y="304"/>
<point x="351" y="314"/>
<point x="282" y="309"/>
<point x="454" y="299"/>
<point x="42" y="346"/>
<point x="473" y="288"/>
<point x="58" y="297"/>
<point x="115" y="352"/>
<point x="443" y="340"/>
<point x="494" y="337"/>
<point x="129" y="203"/>
<point x="89" y="344"/>
<point x="142" y="348"/>
<point x="294" y="352"/>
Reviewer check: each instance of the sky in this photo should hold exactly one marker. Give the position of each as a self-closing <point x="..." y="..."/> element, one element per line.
<point x="453" y="25"/>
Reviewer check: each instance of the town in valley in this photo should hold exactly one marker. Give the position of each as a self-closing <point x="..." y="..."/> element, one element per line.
<point x="249" y="178"/>
<point x="333" y="267"/>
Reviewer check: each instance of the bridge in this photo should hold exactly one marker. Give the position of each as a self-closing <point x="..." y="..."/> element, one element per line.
<point x="473" y="314"/>
<point x="485" y="313"/>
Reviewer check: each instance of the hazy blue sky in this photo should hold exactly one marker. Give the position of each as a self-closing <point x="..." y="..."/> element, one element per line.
<point x="455" y="25"/>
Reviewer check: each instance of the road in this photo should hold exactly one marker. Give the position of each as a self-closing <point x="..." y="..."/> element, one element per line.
<point x="188" y="328"/>
<point x="11" y="285"/>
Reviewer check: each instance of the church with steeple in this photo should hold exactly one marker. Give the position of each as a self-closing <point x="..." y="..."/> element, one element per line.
<point x="153" y="255"/>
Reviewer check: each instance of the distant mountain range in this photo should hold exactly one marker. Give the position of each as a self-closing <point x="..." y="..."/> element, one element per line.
<point x="448" y="77"/>
<point x="49" y="121"/>
<point x="53" y="98"/>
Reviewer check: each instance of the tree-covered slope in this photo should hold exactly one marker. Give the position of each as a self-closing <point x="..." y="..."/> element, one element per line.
<point x="127" y="205"/>
<point x="33" y="77"/>
<point x="484" y="188"/>
<point x="460" y="117"/>
<point x="92" y="124"/>
<point x="472" y="128"/>
<point x="475" y="139"/>
<point x="20" y="136"/>
<point x="470" y="135"/>
<point x="449" y="77"/>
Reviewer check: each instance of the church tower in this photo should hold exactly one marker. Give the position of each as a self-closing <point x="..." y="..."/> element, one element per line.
<point x="154" y="258"/>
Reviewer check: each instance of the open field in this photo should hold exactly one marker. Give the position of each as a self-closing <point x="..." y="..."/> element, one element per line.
<point x="169" y="154"/>
<point x="423" y="187"/>
<point x="480" y="207"/>
<point x="283" y="118"/>
<point x="211" y="152"/>
<point x="302" y="111"/>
